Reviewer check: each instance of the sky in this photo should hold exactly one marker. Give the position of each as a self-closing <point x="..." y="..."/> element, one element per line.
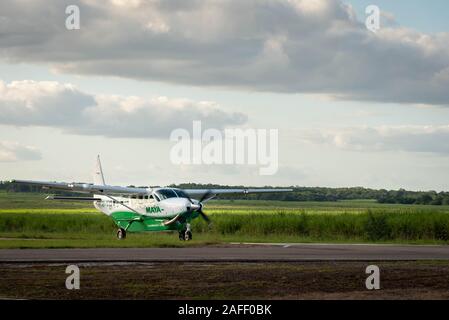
<point x="352" y="107"/>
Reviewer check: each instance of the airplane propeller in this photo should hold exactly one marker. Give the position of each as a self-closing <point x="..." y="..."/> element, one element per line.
<point x="205" y="197"/>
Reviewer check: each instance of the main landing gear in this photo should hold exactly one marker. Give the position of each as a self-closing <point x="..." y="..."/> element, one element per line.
<point x="185" y="234"/>
<point x="121" y="234"/>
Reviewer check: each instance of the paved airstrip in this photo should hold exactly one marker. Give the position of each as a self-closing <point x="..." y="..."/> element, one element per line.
<point x="231" y="253"/>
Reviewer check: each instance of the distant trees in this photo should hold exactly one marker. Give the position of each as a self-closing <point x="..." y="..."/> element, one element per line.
<point x="400" y="196"/>
<point x="414" y="197"/>
<point x="11" y="187"/>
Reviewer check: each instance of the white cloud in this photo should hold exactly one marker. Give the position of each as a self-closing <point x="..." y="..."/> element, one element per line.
<point x="52" y="104"/>
<point x="428" y="139"/>
<point x="14" y="151"/>
<point x="296" y="46"/>
<point x="42" y="103"/>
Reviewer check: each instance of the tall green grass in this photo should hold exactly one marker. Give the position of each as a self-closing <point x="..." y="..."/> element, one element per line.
<point x="369" y="225"/>
<point x="55" y="223"/>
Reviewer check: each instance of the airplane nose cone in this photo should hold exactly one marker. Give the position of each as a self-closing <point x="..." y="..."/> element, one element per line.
<point x="195" y="207"/>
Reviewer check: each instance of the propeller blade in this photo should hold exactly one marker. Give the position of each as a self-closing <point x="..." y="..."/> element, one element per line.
<point x="188" y="198"/>
<point x="204" y="216"/>
<point x="206" y="195"/>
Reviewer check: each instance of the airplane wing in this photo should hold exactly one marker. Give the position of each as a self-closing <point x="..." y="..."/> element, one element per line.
<point x="106" y="189"/>
<point x="197" y="192"/>
<point x="83" y="187"/>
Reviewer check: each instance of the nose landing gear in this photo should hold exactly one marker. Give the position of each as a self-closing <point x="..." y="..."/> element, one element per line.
<point x="185" y="234"/>
<point x="121" y="234"/>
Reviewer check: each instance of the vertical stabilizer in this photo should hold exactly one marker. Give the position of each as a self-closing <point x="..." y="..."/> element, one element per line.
<point x="98" y="173"/>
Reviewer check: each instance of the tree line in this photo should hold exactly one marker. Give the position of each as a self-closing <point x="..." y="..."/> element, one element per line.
<point x="400" y="196"/>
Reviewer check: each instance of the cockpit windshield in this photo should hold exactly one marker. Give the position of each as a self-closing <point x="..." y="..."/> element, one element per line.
<point x="165" y="194"/>
<point x="181" y="193"/>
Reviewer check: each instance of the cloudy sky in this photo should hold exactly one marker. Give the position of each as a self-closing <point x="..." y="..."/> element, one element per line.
<point x="353" y="107"/>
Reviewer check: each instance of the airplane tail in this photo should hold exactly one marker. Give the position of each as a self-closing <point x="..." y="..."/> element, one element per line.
<point x="98" y="173"/>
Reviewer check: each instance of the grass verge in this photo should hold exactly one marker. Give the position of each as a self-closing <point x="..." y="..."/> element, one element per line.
<point x="65" y="230"/>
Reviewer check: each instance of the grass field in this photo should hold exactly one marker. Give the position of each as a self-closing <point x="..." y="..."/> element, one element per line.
<point x="29" y="221"/>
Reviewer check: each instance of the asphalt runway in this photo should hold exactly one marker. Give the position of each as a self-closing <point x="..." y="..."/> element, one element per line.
<point x="231" y="253"/>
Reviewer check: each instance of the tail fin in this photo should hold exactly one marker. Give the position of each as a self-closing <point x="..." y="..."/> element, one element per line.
<point x="98" y="173"/>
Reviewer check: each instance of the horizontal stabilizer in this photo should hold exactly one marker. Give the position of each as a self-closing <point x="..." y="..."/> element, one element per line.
<point x="72" y="198"/>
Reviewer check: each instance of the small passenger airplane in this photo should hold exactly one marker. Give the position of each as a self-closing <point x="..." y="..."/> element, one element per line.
<point x="142" y="209"/>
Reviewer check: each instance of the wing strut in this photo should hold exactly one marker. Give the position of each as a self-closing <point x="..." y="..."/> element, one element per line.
<point x="128" y="207"/>
<point x="139" y="219"/>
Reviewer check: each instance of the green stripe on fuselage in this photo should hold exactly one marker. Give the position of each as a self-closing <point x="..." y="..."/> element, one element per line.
<point x="141" y="223"/>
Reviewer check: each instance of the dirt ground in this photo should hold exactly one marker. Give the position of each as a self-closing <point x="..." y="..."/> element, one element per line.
<point x="299" y="280"/>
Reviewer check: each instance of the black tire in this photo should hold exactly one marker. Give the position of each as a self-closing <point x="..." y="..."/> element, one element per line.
<point x="121" y="234"/>
<point x="188" y="236"/>
<point x="182" y="236"/>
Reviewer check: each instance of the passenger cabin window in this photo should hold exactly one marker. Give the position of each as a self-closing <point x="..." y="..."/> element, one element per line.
<point x="165" y="194"/>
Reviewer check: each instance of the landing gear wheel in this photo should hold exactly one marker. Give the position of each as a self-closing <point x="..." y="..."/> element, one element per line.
<point x="121" y="234"/>
<point x="188" y="236"/>
<point x="182" y="236"/>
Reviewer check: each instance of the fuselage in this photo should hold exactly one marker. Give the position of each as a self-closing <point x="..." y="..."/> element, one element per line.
<point x="167" y="208"/>
<point x="149" y="211"/>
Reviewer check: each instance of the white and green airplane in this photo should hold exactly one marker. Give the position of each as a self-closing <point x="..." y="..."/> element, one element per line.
<point x="142" y="209"/>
